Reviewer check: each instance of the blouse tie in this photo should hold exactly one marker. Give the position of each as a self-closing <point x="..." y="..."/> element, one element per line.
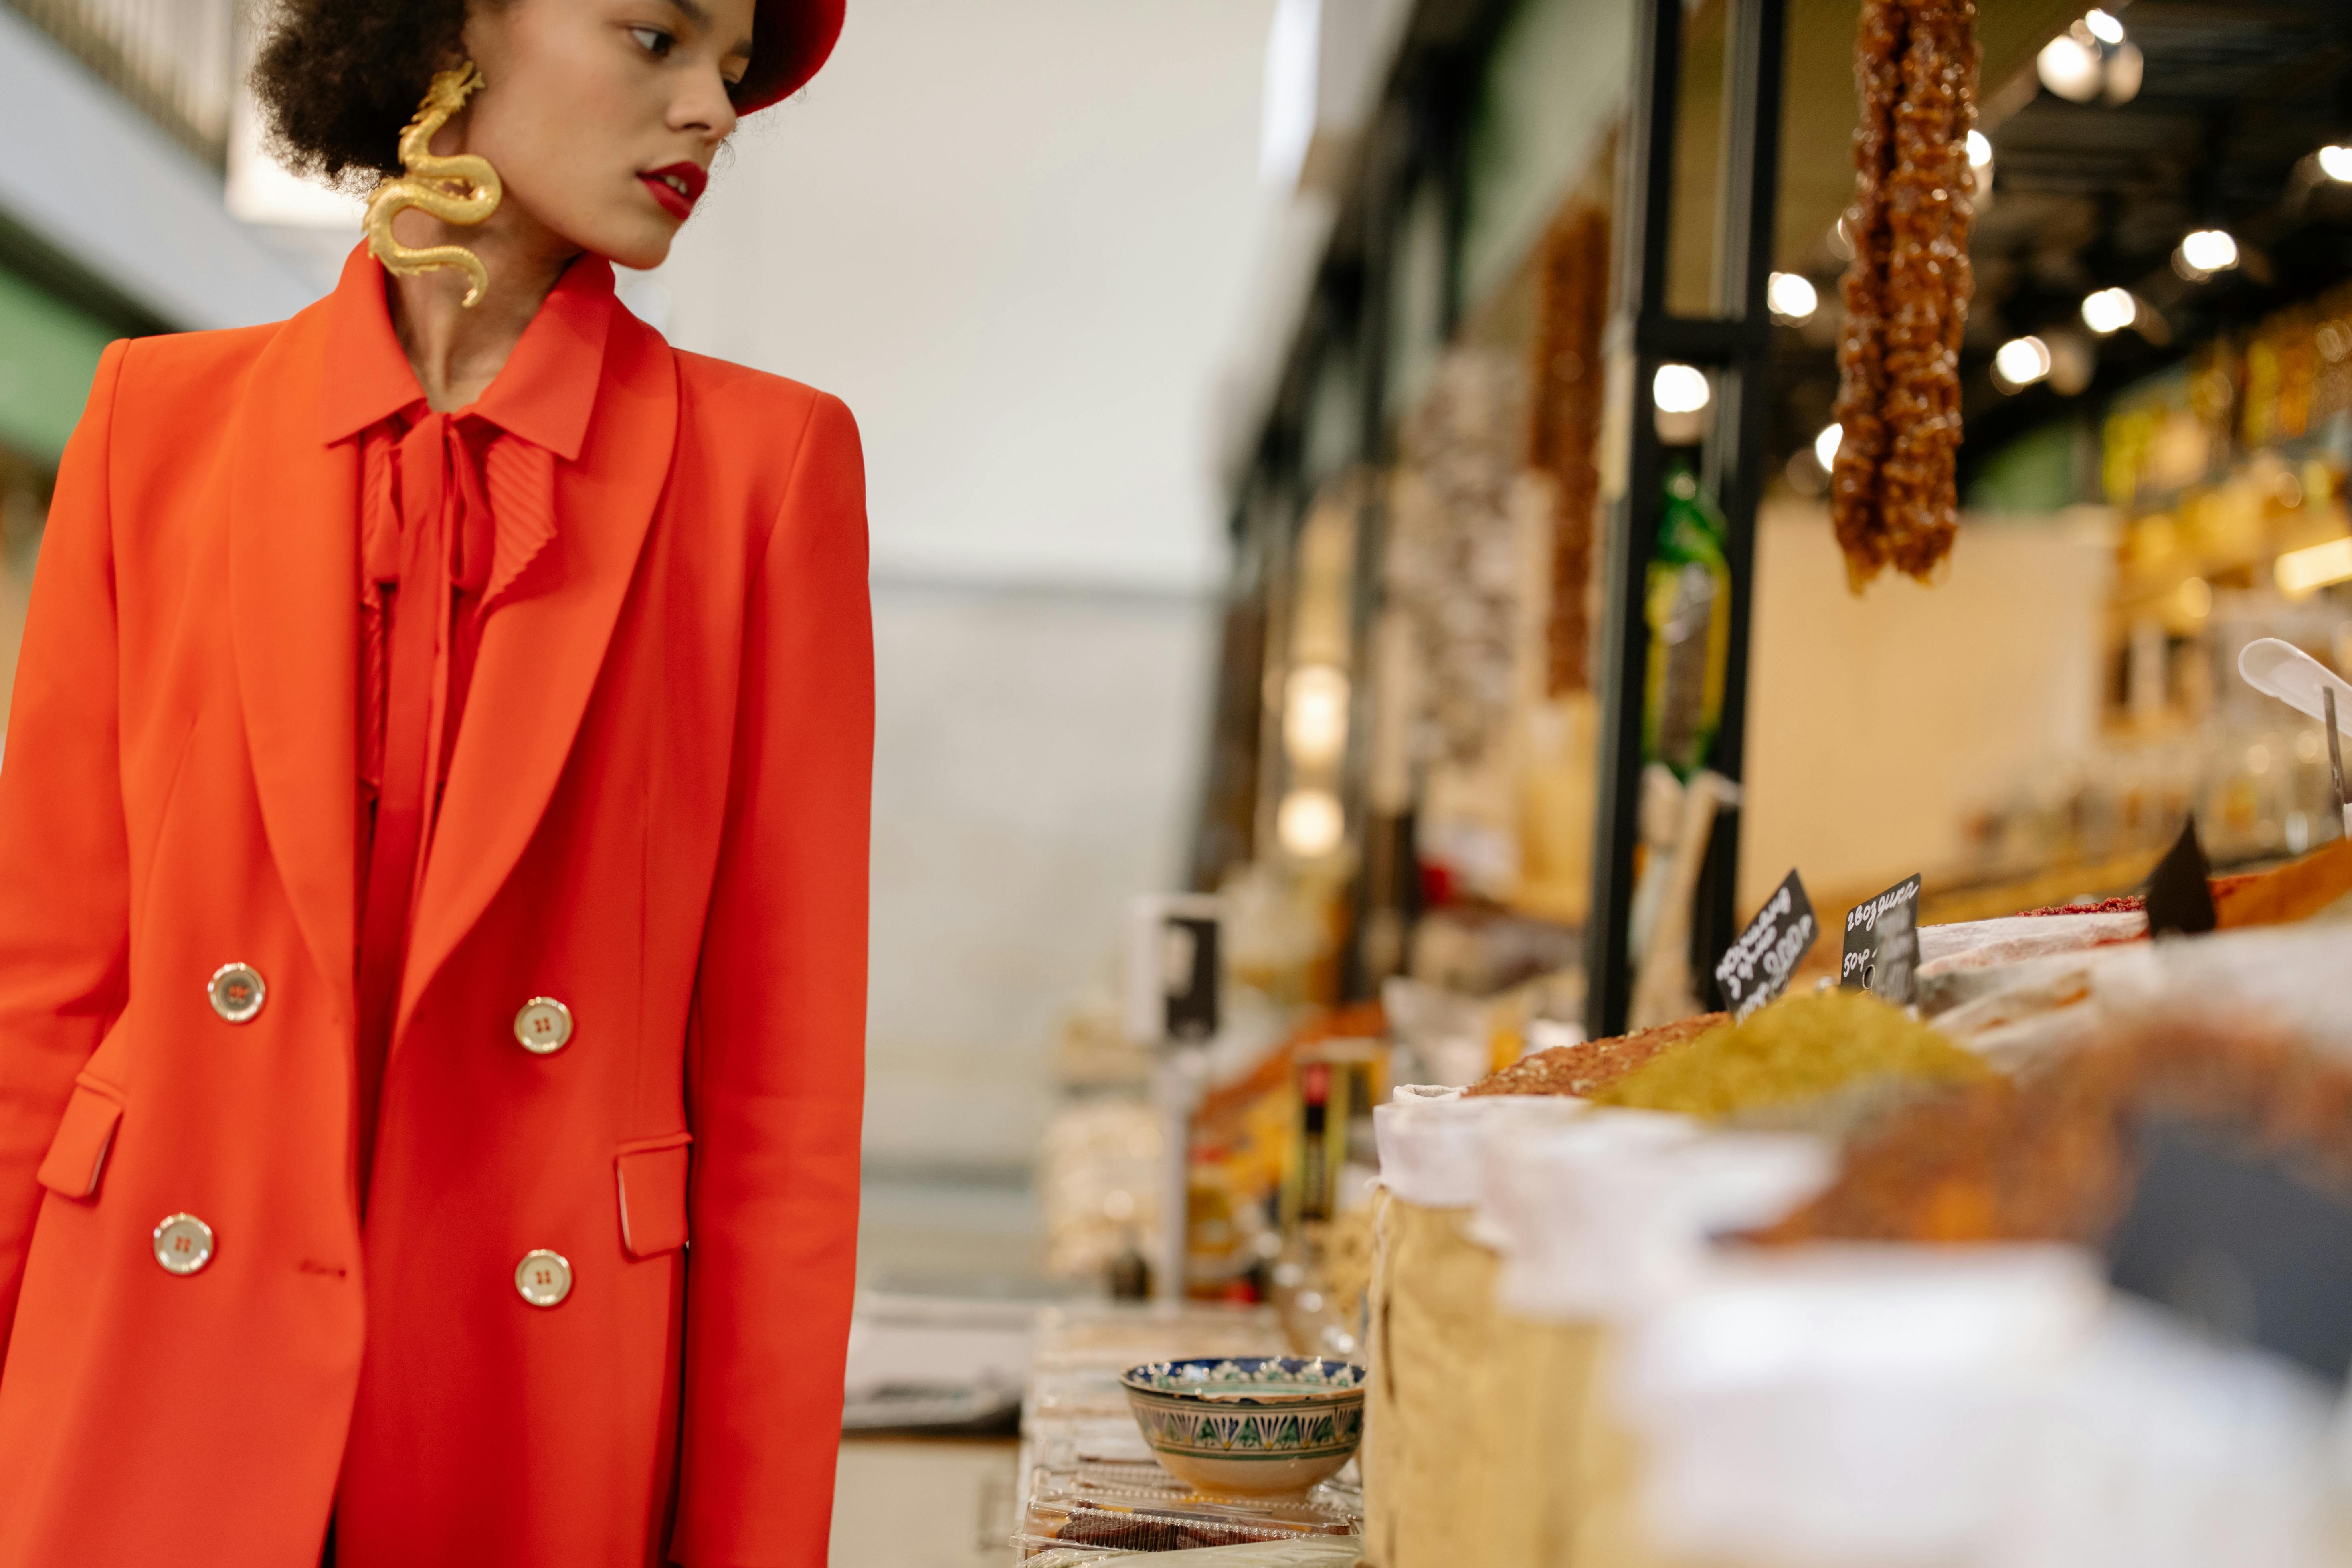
<point x="453" y="512"/>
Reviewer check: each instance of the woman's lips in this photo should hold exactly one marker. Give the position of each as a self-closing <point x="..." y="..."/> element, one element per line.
<point x="678" y="186"/>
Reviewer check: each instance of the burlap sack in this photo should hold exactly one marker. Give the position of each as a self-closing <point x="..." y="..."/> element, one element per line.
<point x="1533" y="1383"/>
<point x="1425" y="1435"/>
<point x="1485" y="1440"/>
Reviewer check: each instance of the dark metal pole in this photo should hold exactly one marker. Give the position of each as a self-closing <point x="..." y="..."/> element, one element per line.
<point x="1645" y="183"/>
<point x="1641" y="336"/>
<point x="1736" y="455"/>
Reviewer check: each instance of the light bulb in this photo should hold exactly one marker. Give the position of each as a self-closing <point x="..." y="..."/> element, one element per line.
<point x="2126" y="68"/>
<point x="2210" y="250"/>
<point x="1979" y="149"/>
<point x="1825" y="446"/>
<point x="1309" y="823"/>
<point x="1792" y="297"/>
<point x="2109" y="310"/>
<point x="2021" y="361"/>
<point x="2104" y="27"/>
<point x="2069" y="69"/>
<point x="1680" y="389"/>
<point x="1315" y="714"/>
<point x="2336" y="163"/>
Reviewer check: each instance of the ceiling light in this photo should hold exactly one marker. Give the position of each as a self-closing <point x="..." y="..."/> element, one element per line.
<point x="2074" y="361"/>
<point x="2109" y="310"/>
<point x="1680" y="389"/>
<point x="2210" y="250"/>
<point x="1309" y="823"/>
<point x="2021" y="361"/>
<point x="1315" y="714"/>
<point x="1792" y="297"/>
<point x="2301" y="571"/>
<point x="2104" y="27"/>
<point x="2127" y="68"/>
<point x="1979" y="149"/>
<point x="2336" y="163"/>
<point x="1825" y="446"/>
<point x="2069" y="69"/>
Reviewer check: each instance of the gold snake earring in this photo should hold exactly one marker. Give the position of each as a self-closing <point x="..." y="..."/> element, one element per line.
<point x="464" y="189"/>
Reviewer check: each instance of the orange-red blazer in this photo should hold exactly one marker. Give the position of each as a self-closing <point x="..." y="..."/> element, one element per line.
<point x="657" y="814"/>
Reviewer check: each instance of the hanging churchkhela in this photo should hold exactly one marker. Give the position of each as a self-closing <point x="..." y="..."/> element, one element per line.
<point x="1893" y="497"/>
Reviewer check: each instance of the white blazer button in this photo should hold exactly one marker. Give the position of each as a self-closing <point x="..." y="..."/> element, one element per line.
<point x="543" y="1277"/>
<point x="184" y="1244"/>
<point x="236" y="991"/>
<point x="543" y="1027"/>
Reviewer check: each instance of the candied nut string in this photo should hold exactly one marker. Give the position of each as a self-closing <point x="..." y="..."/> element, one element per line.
<point x="1894" y="499"/>
<point x="1862" y="445"/>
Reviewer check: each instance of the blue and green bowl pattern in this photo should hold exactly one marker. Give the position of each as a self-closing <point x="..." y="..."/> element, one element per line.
<point x="1252" y="1424"/>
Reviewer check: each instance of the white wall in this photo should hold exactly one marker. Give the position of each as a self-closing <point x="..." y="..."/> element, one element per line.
<point x="1036" y="758"/>
<point x="1875" y="722"/>
<point x="1015" y="237"/>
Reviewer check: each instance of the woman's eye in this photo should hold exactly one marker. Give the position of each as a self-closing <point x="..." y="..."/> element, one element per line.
<point x="654" y="41"/>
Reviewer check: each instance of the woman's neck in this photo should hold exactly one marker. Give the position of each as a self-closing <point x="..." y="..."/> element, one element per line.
<point x="456" y="352"/>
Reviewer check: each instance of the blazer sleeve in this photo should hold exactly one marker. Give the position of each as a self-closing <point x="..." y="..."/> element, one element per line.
<point x="65" y="927"/>
<point x="776" y="1065"/>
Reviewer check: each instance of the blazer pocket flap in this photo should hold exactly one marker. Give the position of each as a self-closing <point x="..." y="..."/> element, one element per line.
<point x="77" y="1156"/>
<point x="651" y="1174"/>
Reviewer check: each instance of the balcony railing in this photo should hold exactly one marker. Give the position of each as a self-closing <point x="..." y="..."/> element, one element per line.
<point x="174" y="61"/>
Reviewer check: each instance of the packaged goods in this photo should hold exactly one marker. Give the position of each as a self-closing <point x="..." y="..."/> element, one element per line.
<point x="1798" y="1049"/>
<point x="1589" y="1065"/>
<point x="1689" y="611"/>
<point x="1893" y="499"/>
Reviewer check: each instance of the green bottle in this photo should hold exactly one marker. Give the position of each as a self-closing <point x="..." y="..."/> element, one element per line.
<point x="1689" y="611"/>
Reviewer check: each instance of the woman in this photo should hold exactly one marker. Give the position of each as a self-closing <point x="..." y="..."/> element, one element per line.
<point x="433" y="863"/>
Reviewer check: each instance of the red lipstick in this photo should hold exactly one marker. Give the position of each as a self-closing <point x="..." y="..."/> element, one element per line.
<point x="678" y="186"/>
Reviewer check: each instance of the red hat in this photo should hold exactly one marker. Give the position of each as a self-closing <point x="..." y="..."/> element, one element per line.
<point x="789" y="41"/>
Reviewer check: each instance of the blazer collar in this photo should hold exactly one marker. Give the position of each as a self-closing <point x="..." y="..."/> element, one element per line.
<point x="294" y="623"/>
<point x="294" y="553"/>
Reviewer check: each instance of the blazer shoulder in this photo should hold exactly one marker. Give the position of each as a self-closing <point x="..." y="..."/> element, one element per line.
<point x="195" y="361"/>
<point x="737" y="398"/>
<point x="175" y="371"/>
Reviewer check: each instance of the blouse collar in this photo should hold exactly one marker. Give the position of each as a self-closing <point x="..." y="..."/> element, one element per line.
<point x="544" y="393"/>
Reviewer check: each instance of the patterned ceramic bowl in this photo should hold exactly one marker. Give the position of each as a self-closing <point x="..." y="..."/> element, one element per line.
<point x="1250" y="1426"/>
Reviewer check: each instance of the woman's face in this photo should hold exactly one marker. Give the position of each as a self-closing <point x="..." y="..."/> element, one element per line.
<point x="601" y="116"/>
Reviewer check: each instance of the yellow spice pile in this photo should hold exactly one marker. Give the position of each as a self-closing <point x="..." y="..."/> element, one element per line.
<point x="1796" y="1048"/>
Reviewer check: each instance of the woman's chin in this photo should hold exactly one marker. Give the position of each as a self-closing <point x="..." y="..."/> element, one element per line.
<point x="641" y="247"/>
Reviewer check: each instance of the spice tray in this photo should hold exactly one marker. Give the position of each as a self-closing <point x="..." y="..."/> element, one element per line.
<point x="1128" y="1507"/>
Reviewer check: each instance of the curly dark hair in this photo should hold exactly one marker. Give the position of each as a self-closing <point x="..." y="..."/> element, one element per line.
<point x="340" y="78"/>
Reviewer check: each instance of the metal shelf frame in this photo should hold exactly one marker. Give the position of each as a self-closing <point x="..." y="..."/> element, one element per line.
<point x="1734" y="344"/>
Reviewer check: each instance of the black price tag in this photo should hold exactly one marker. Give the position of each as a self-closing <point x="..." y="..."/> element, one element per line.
<point x="1758" y="965"/>
<point x="1881" y="945"/>
<point x="2180" y="889"/>
<point x="1189" y="976"/>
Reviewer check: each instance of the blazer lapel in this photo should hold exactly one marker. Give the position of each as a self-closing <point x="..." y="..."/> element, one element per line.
<point x="293" y="612"/>
<point x="542" y="650"/>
